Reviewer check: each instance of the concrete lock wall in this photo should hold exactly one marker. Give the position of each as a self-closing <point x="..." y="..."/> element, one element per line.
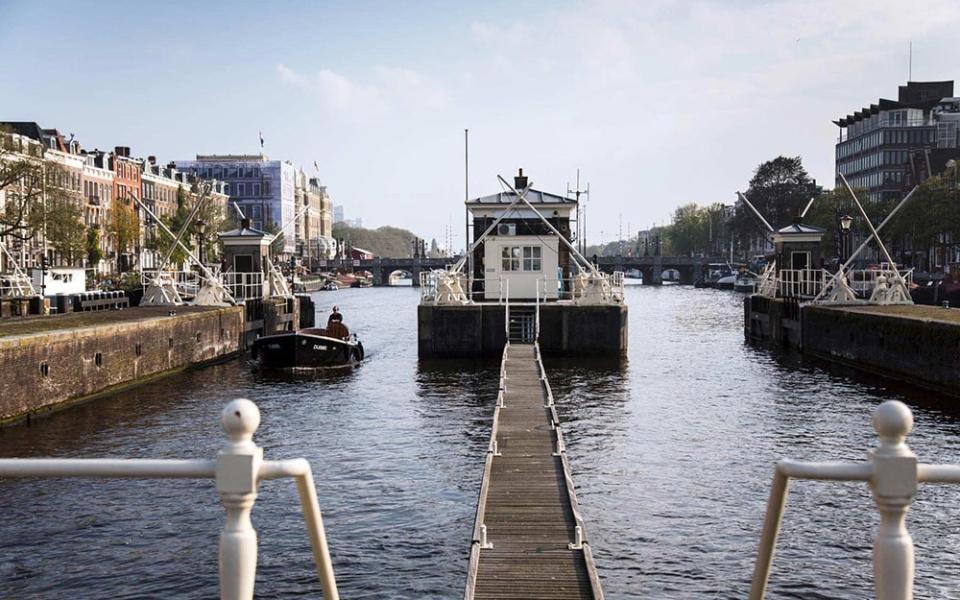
<point x="45" y="369"/>
<point x="479" y="330"/>
<point x="921" y="351"/>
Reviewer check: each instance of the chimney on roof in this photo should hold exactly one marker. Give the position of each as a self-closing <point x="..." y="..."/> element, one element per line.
<point x="520" y="181"/>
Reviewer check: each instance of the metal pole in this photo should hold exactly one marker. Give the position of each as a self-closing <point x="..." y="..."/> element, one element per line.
<point x="466" y="211"/>
<point x="768" y="539"/>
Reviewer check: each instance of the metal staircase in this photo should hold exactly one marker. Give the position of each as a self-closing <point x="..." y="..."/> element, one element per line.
<point x="522" y="323"/>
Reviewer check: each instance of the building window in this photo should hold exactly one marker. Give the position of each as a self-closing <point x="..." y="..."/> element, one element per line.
<point x="521" y="258"/>
<point x="241" y="189"/>
<point x="256" y="189"/>
<point x="531" y="258"/>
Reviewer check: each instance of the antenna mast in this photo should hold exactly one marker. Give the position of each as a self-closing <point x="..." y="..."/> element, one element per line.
<point x="581" y="213"/>
<point x="910" y="64"/>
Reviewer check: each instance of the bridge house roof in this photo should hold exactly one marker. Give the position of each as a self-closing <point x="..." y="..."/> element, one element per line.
<point x="534" y="196"/>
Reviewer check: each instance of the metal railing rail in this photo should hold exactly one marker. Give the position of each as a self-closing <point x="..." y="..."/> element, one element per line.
<point x="536" y="318"/>
<point x="187" y="282"/>
<point x="243" y="286"/>
<point x="893" y="474"/>
<point x="238" y="470"/>
<point x="506" y="320"/>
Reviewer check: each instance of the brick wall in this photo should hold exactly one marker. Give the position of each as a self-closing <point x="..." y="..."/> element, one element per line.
<point x="45" y="369"/>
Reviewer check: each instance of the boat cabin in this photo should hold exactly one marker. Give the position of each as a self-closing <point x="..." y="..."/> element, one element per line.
<point x="522" y="257"/>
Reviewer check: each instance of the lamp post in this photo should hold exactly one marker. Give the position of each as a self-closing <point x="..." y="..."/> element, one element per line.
<point x="845" y="222"/>
<point x="201" y="226"/>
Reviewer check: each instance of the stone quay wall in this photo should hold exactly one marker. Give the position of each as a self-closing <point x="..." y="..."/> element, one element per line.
<point x="49" y="368"/>
<point x="909" y="343"/>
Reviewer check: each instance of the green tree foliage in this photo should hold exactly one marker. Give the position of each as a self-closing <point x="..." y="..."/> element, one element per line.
<point x="931" y="218"/>
<point x="689" y="231"/>
<point x="94" y="252"/>
<point x="23" y="181"/>
<point x="123" y="226"/>
<point x="65" y="230"/>
<point x="779" y="190"/>
<point x="391" y="242"/>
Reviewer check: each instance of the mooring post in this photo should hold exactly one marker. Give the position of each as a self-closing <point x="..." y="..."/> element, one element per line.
<point x="894" y="484"/>
<point x="237" y="469"/>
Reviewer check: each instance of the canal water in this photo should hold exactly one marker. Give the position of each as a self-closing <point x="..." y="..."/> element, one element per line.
<point x="672" y="450"/>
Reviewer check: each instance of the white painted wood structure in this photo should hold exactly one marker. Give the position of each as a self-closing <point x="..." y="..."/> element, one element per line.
<point x="893" y="473"/>
<point x="237" y="470"/>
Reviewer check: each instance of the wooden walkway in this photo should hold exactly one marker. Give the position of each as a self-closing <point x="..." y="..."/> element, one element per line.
<point x="529" y="540"/>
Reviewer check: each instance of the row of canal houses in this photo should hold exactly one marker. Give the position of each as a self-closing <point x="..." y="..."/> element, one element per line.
<point x="100" y="181"/>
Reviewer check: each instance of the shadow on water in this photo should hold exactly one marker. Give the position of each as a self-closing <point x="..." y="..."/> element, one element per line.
<point x="878" y="386"/>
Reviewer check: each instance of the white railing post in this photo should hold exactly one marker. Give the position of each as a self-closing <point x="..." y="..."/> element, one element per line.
<point x="237" y="469"/>
<point x="894" y="484"/>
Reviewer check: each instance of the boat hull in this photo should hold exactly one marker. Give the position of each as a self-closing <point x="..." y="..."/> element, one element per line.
<point x="305" y="351"/>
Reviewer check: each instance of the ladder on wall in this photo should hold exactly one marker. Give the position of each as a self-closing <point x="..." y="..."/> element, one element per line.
<point x="522" y="323"/>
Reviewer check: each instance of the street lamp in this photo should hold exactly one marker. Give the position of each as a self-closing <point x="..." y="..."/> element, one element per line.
<point x="845" y="222"/>
<point x="200" y="228"/>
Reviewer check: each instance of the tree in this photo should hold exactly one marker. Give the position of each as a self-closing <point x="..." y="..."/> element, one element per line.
<point x="65" y="230"/>
<point x="779" y="190"/>
<point x="94" y="252"/>
<point x="688" y="234"/>
<point x="23" y="178"/>
<point x="124" y="226"/>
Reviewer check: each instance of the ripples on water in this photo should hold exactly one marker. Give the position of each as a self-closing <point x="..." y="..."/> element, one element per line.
<point x="671" y="447"/>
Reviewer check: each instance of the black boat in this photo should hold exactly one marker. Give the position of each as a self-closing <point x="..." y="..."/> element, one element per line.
<point x="311" y="348"/>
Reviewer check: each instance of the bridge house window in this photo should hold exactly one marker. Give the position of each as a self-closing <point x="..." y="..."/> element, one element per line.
<point x="521" y="258"/>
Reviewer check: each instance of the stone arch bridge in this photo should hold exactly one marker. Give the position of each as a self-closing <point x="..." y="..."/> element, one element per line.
<point x="652" y="267"/>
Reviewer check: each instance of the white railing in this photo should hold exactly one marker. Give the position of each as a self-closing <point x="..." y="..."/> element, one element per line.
<point x="237" y="470"/>
<point x="187" y="282"/>
<point x="14" y="285"/>
<point x="801" y="283"/>
<point x="616" y="282"/>
<point x="864" y="280"/>
<point x="893" y="474"/>
<point x="506" y="310"/>
<point x="428" y="286"/>
<point x="243" y="286"/>
<point x="811" y="283"/>
<point x="536" y="327"/>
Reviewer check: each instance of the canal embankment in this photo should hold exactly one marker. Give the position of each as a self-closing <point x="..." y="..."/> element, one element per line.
<point x="51" y="362"/>
<point x="917" y="344"/>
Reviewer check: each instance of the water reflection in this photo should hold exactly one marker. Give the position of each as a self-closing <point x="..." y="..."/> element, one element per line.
<point x="672" y="449"/>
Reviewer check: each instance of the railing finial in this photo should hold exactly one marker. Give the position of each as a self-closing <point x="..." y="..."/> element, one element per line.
<point x="892" y="421"/>
<point x="240" y="419"/>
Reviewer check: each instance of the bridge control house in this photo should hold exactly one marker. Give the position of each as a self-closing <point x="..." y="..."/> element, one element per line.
<point x="522" y="281"/>
<point x="522" y="249"/>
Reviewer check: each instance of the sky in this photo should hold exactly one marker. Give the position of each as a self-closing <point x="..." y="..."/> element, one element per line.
<point x="658" y="103"/>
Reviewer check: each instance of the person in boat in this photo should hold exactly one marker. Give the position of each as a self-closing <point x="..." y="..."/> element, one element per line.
<point x="335" y="326"/>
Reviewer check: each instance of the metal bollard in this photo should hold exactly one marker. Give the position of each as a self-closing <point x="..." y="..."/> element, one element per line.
<point x="946" y="304"/>
<point x="237" y="468"/>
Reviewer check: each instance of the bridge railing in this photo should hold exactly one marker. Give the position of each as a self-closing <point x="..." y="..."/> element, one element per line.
<point x="243" y="286"/>
<point x="810" y="283"/>
<point x="893" y="473"/>
<point x="237" y="470"/>
<point x="187" y="282"/>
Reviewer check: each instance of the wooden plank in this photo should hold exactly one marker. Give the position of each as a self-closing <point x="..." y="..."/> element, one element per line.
<point x="527" y="501"/>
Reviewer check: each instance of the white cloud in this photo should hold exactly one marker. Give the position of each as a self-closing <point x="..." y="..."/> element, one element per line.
<point x="387" y="90"/>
